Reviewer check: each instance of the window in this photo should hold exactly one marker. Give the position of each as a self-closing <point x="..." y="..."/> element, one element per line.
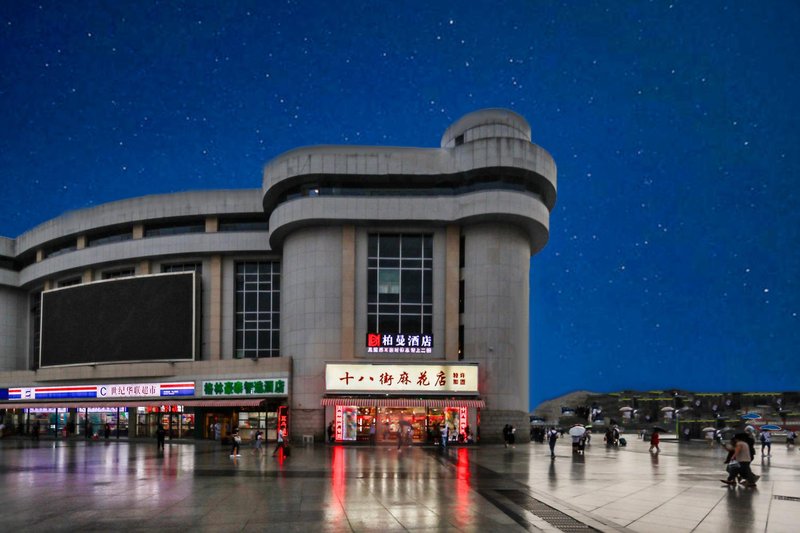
<point x="175" y="228"/>
<point x="69" y="282"/>
<point x="399" y="284"/>
<point x="108" y="238"/>
<point x="183" y="267"/>
<point x="243" y="224"/>
<point x="122" y="273"/>
<point x="257" y="331"/>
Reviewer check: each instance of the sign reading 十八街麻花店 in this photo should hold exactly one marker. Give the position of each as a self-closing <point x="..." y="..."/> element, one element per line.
<point x="115" y="390"/>
<point x="400" y="378"/>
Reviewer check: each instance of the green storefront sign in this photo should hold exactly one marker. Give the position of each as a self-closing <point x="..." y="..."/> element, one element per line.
<point x="245" y="387"/>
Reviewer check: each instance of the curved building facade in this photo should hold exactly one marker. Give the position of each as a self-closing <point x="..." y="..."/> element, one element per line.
<point x="363" y="293"/>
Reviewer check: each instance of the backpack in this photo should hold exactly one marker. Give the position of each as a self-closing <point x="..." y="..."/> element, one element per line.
<point x="763" y="438"/>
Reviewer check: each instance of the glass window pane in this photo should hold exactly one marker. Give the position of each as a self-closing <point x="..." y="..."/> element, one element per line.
<point x="412" y="245"/>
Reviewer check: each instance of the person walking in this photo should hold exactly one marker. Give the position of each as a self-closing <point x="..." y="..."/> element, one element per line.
<point x="506" y="432"/>
<point x="766" y="443"/>
<point x="107" y="431"/>
<point x="280" y="445"/>
<point x="741" y="455"/>
<point x="790" y="437"/>
<point x="237" y="441"/>
<point x="512" y="439"/>
<point x="161" y="434"/>
<point x="444" y="432"/>
<point x="330" y="432"/>
<point x="257" y="444"/>
<point x="552" y="437"/>
<point x="654" y="441"/>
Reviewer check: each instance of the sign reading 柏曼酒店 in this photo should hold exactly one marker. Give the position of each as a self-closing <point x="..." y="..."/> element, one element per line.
<point x="245" y="387"/>
<point x="401" y="378"/>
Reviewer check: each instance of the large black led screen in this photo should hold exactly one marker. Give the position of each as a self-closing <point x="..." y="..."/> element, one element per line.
<point x="144" y="318"/>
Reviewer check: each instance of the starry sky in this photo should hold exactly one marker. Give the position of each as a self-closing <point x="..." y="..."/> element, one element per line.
<point x="672" y="258"/>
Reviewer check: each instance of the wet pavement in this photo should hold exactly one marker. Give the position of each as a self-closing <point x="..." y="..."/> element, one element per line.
<point x="60" y="486"/>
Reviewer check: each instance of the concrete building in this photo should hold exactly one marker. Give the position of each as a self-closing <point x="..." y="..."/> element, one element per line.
<point x="375" y="291"/>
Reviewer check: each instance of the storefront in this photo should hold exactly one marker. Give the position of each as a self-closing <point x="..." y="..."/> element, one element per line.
<point x="136" y="410"/>
<point x="379" y="402"/>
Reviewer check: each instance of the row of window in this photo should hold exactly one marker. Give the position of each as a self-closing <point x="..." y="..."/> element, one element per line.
<point x="399" y="294"/>
<point x="179" y="227"/>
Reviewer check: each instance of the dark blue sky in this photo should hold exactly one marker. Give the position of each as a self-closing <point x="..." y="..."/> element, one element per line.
<point x="672" y="260"/>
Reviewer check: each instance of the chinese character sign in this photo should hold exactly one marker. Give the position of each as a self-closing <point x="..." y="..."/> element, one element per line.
<point x="401" y="378"/>
<point x="245" y="387"/>
<point x="399" y="343"/>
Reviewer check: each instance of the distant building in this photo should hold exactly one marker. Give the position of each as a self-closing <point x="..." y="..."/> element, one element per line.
<point x="371" y="289"/>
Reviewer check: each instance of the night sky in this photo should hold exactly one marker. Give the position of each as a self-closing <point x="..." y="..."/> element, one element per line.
<point x="672" y="259"/>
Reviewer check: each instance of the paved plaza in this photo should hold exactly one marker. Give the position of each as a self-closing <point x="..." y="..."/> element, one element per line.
<point x="128" y="486"/>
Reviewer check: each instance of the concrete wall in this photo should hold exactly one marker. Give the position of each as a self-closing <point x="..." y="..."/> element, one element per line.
<point x="496" y="299"/>
<point x="13" y="319"/>
<point x="311" y="303"/>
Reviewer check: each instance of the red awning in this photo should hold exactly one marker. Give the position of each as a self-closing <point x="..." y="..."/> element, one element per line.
<point x="404" y="402"/>
<point x="249" y="402"/>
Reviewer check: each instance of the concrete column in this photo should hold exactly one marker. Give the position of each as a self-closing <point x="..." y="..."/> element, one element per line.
<point x="138" y="231"/>
<point x="81" y="244"/>
<point x="87" y="276"/>
<point x="212" y="224"/>
<point x="215" y="308"/>
<point x="144" y="268"/>
<point x="452" y="273"/>
<point x="311" y="321"/>
<point x="39" y="255"/>
<point x="348" y="292"/>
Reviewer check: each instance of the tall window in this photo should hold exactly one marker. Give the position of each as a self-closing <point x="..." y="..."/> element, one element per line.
<point x="400" y="283"/>
<point x="36" y="328"/>
<point x="258" y="312"/>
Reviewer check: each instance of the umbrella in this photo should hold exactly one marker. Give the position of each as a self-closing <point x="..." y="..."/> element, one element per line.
<point x="659" y="428"/>
<point x="709" y="428"/>
<point x="770" y="427"/>
<point x="626" y="408"/>
<point x="751" y="416"/>
<point x="665" y="409"/>
<point x="577" y="431"/>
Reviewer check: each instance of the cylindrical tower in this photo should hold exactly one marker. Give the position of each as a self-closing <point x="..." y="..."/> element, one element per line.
<point x="472" y="213"/>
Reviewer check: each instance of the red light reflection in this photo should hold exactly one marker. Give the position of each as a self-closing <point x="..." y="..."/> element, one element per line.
<point x="462" y="479"/>
<point x="338" y="473"/>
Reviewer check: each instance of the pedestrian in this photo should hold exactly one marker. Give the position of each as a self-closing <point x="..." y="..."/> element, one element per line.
<point x="443" y="433"/>
<point x="740" y="454"/>
<point x="512" y="439"/>
<point x="107" y="430"/>
<point x="237" y="441"/>
<point x="280" y="445"/>
<point x="506" y="431"/>
<point x="89" y="430"/>
<point x="766" y="443"/>
<point x="35" y="431"/>
<point x="372" y="433"/>
<point x="217" y="430"/>
<point x="330" y="431"/>
<point x="257" y="442"/>
<point x="654" y="440"/>
<point x="790" y="436"/>
<point x="161" y="433"/>
<point x="552" y="437"/>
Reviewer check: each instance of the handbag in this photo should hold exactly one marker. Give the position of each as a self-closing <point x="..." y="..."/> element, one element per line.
<point x="733" y="467"/>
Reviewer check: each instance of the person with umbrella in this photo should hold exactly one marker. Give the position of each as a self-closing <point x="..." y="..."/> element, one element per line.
<point x="576" y="432"/>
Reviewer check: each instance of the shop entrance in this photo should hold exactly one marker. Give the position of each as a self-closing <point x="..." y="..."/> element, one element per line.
<point x="394" y="420"/>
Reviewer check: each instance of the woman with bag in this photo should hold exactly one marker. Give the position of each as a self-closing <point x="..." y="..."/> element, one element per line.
<point x="739" y="455"/>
